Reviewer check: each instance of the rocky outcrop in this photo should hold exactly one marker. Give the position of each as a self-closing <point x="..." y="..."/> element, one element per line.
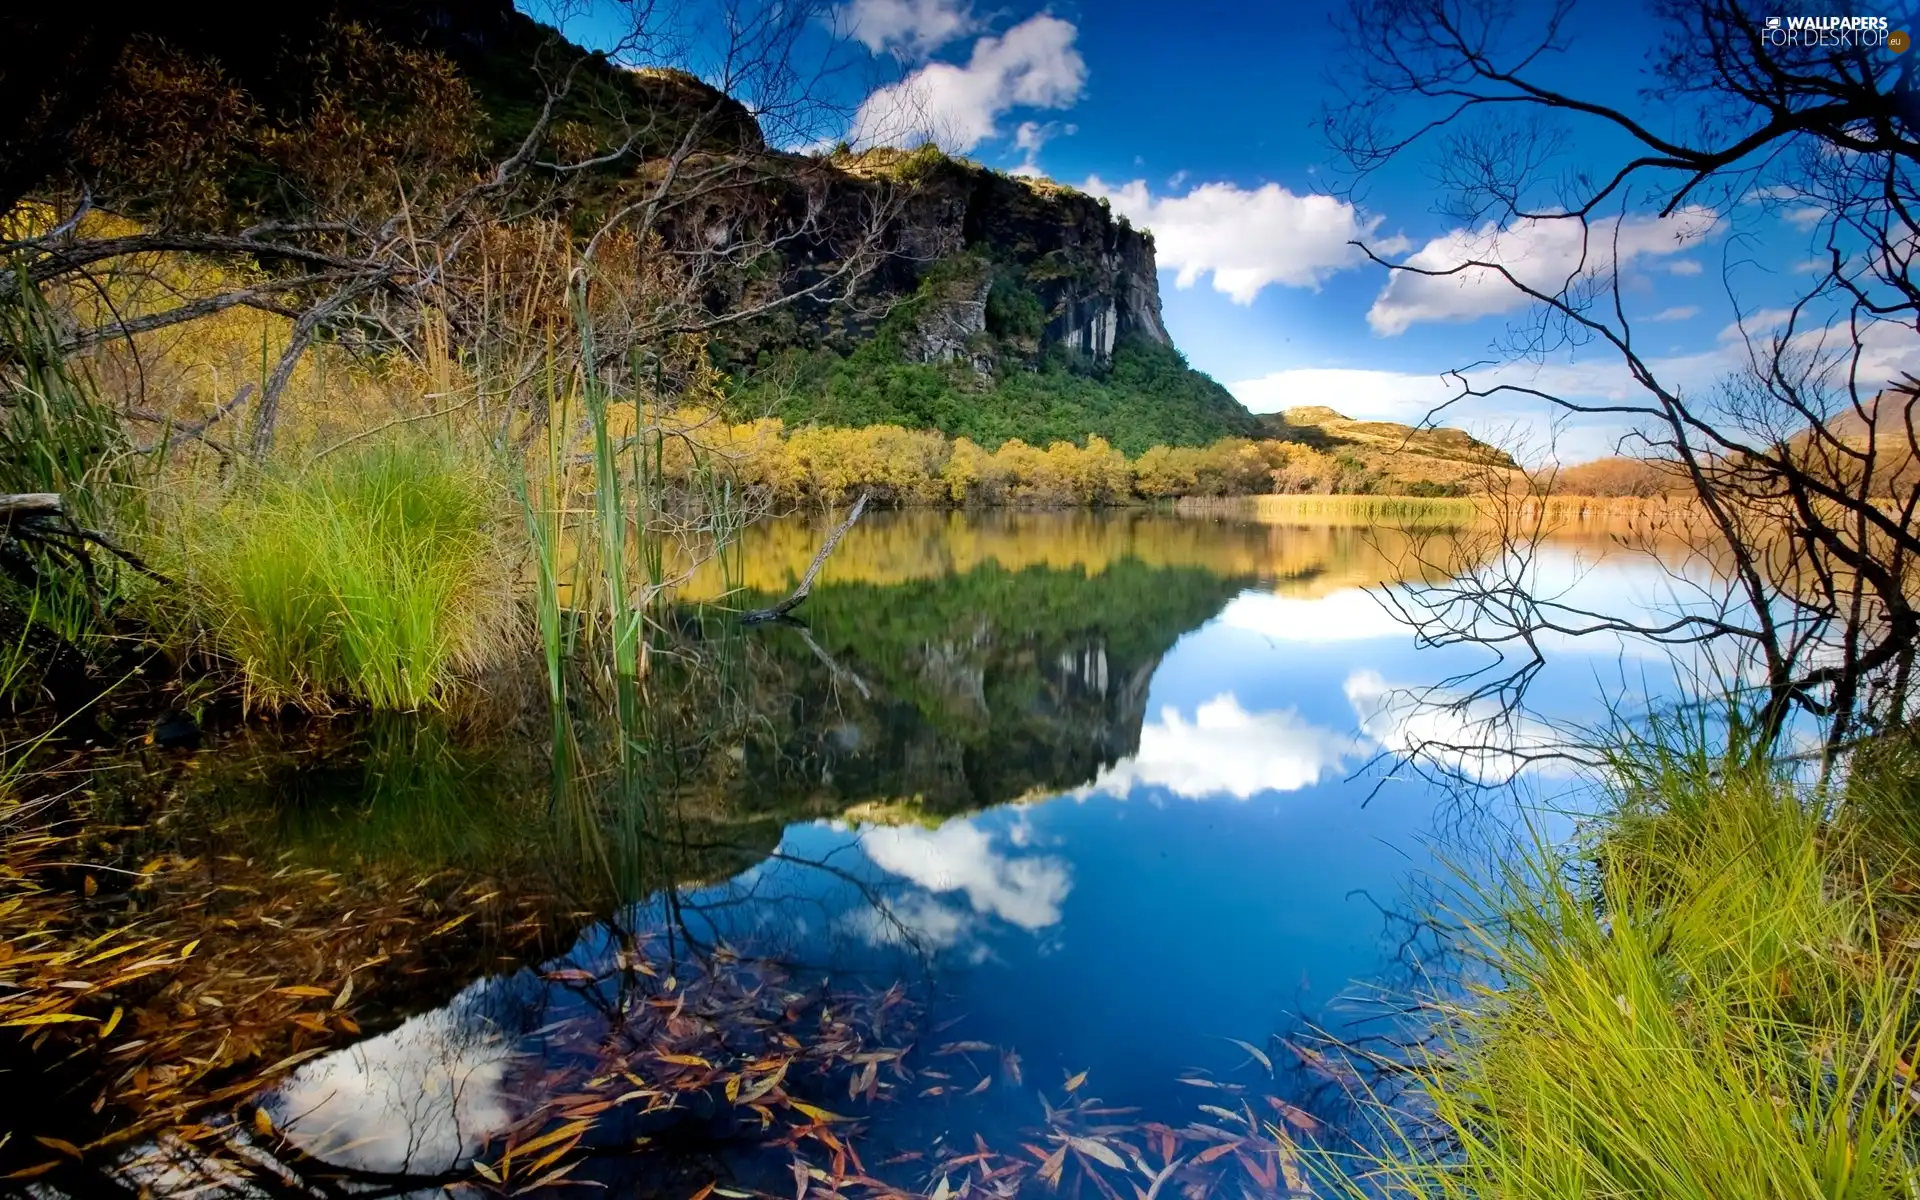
<point x="1091" y="274"/>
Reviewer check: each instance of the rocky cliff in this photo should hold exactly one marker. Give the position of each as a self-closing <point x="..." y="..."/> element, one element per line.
<point x="1015" y="307"/>
<point x="1091" y="275"/>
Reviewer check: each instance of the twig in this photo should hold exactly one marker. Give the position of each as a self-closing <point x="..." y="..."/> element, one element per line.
<point x="366" y="433"/>
<point x="760" y="616"/>
<point x="180" y="433"/>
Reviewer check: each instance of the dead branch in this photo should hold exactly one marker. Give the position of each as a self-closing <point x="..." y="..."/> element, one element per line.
<point x="760" y="616"/>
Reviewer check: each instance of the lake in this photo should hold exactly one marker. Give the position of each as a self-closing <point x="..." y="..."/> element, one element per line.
<point x="1044" y="833"/>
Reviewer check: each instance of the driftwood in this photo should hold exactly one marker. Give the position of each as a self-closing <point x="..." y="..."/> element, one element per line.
<point x="42" y="521"/>
<point x="780" y="610"/>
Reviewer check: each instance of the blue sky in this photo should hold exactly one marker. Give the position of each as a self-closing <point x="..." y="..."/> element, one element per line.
<point x="1197" y="119"/>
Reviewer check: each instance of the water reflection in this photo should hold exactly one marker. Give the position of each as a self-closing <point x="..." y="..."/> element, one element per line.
<point x="975" y="775"/>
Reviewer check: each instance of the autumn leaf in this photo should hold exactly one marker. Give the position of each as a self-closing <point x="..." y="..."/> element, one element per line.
<point x="452" y="925"/>
<point x="1259" y="1055"/>
<point x="1098" y="1151"/>
<point x="1073" y="1083"/>
<point x="1214" y="1152"/>
<point x="1055" y="1163"/>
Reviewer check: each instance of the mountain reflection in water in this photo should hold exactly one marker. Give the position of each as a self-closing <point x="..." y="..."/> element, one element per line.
<point x="1101" y="790"/>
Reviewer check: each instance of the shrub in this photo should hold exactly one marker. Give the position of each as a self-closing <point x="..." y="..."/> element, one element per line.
<point x="372" y="575"/>
<point x="1612" y="477"/>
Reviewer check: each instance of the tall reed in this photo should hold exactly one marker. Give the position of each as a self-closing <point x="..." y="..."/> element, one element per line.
<point x="372" y="576"/>
<point x="1717" y="1008"/>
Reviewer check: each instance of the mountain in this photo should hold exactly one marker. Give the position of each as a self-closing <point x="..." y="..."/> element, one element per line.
<point x="990" y="307"/>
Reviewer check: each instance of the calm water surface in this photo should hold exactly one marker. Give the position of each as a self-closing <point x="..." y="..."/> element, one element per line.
<point x="1103" y="792"/>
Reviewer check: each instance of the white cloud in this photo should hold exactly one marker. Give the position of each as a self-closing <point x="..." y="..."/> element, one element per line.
<point x="1546" y="254"/>
<point x="420" y="1099"/>
<point x="1247" y="239"/>
<point x="1031" y="137"/>
<point x="1348" y="615"/>
<point x="1683" y="312"/>
<point x="1032" y="65"/>
<point x="1227" y="751"/>
<point x="1804" y="217"/>
<point x="1479" y="739"/>
<point x="1685" y="266"/>
<point x="960" y="856"/>
<point x="1358" y="393"/>
<point x="910" y="27"/>
<point x="917" y="920"/>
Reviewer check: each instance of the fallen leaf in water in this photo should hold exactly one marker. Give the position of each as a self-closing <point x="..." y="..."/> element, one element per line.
<point x="1299" y="1118"/>
<point x="452" y="925"/>
<point x="1259" y="1055"/>
<point x="1010" y="1064"/>
<point x="685" y="1060"/>
<point x="1098" y="1151"/>
<point x="1213" y="1152"/>
<point x="1051" y="1167"/>
<point x="1073" y="1083"/>
<point x="818" y="1114"/>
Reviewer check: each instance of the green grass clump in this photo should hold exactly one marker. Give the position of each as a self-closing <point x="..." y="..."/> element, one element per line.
<point x="1719" y="1011"/>
<point x="372" y="575"/>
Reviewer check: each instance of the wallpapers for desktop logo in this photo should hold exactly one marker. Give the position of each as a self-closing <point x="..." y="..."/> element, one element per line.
<point x="1833" y="33"/>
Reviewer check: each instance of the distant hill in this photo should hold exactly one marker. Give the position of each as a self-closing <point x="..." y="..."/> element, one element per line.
<point x="1402" y="453"/>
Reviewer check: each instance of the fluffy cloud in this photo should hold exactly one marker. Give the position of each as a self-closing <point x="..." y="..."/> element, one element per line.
<point x="912" y="27"/>
<point x="1247" y="239"/>
<point x="1227" y="751"/>
<point x="960" y="856"/>
<point x="1683" y="312"/>
<point x="1359" y="393"/>
<point x="1347" y="615"/>
<point x="1546" y="254"/>
<point x="1032" y="65"/>
<point x="420" y="1099"/>
<point x="1478" y="739"/>
<point x="1030" y="138"/>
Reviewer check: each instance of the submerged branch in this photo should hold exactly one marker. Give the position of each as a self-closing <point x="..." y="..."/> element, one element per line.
<point x="761" y="616"/>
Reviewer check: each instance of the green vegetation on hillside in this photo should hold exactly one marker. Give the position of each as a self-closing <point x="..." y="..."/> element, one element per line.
<point x="1149" y="396"/>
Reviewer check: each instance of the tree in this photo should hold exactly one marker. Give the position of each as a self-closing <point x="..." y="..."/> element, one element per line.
<point x="1797" y="463"/>
<point x="380" y="204"/>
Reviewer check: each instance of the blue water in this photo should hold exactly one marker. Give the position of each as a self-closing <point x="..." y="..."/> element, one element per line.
<point x="1249" y="868"/>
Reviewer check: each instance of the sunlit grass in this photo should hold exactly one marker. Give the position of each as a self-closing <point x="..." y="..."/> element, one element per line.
<point x="1423" y="511"/>
<point x="1714" y="1012"/>
<point x="372" y="575"/>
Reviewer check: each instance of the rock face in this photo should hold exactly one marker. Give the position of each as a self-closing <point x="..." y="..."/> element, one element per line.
<point x="1091" y="276"/>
